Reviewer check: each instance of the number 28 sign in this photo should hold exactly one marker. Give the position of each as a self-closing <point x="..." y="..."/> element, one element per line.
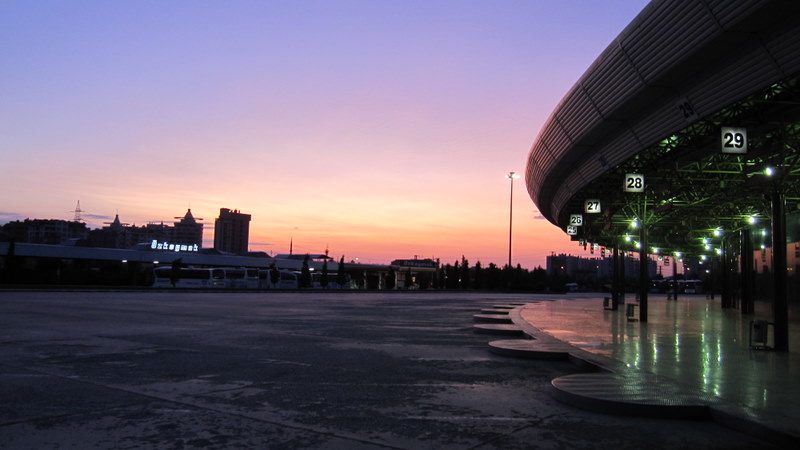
<point x="634" y="182"/>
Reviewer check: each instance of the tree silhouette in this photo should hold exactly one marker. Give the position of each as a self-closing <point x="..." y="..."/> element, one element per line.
<point x="464" y="275"/>
<point x="175" y="272"/>
<point x="341" y="277"/>
<point x="274" y="274"/>
<point x="478" y="276"/>
<point x="324" y="281"/>
<point x="305" y="274"/>
<point x="408" y="282"/>
<point x="391" y="280"/>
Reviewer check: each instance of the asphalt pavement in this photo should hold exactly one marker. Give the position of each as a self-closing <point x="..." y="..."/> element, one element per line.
<point x="291" y="370"/>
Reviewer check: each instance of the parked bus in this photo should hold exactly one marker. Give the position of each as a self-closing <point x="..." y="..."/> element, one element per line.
<point x="690" y="286"/>
<point x="241" y="278"/>
<point x="286" y="280"/>
<point x="333" y="283"/>
<point x="207" y="278"/>
<point x="190" y="277"/>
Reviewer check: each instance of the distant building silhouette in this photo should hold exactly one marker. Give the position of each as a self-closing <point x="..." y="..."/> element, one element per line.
<point x="232" y="231"/>
<point x="591" y="269"/>
<point x="44" y="231"/>
<point x="188" y="230"/>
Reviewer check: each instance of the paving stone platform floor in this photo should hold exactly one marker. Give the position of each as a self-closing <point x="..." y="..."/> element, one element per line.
<point x="692" y="342"/>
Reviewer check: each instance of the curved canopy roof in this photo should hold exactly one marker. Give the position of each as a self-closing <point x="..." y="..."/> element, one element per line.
<point x="685" y="78"/>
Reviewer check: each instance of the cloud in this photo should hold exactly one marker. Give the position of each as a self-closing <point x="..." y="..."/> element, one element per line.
<point x="536" y="215"/>
<point x="262" y="244"/>
<point x="10" y="217"/>
<point x="85" y="216"/>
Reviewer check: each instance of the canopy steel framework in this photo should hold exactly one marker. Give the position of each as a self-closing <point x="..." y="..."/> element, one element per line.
<point x="696" y="104"/>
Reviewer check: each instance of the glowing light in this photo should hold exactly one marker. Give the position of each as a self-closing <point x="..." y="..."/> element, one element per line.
<point x="752" y="220"/>
<point x="655" y="250"/>
<point x="635" y="223"/>
<point x="627" y="238"/>
<point x="769" y="171"/>
<point x="718" y="232"/>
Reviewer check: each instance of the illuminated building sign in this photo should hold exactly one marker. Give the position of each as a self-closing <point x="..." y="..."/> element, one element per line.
<point x="155" y="245"/>
<point x="419" y="263"/>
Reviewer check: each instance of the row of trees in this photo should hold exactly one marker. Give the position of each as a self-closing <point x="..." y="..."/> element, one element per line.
<point x="459" y="275"/>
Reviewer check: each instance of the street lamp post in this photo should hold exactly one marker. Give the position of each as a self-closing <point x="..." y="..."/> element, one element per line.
<point x="510" y="176"/>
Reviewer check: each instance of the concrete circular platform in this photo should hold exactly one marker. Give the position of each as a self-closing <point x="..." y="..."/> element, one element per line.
<point x="494" y="311"/>
<point x="498" y="329"/>
<point x="492" y="318"/>
<point x="529" y="349"/>
<point x="637" y="394"/>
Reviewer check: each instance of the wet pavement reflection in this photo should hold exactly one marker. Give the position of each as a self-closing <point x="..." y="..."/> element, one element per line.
<point x="692" y="341"/>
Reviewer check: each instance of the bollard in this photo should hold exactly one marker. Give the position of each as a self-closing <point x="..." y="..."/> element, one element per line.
<point x="630" y="312"/>
<point x="759" y="334"/>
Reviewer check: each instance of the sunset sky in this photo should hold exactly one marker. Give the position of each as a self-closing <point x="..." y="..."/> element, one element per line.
<point x="380" y="129"/>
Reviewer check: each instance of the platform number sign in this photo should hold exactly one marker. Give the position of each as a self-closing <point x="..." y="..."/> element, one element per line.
<point x="576" y="220"/>
<point x="734" y="140"/>
<point x="592" y="206"/>
<point x="572" y="230"/>
<point x="634" y="182"/>
<point x="686" y="109"/>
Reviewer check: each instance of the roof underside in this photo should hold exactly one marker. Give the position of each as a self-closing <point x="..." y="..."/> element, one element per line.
<point x="654" y="104"/>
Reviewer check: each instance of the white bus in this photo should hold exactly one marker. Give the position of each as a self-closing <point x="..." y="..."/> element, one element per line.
<point x="287" y="280"/>
<point x="190" y="277"/>
<point x="207" y="278"/>
<point x="241" y="278"/>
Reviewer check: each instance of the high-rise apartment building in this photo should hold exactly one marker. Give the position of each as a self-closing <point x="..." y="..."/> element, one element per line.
<point x="232" y="231"/>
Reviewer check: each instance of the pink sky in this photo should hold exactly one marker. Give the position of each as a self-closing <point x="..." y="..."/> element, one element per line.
<point x="378" y="129"/>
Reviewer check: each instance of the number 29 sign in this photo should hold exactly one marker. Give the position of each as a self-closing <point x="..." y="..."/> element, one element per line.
<point x="733" y="140"/>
